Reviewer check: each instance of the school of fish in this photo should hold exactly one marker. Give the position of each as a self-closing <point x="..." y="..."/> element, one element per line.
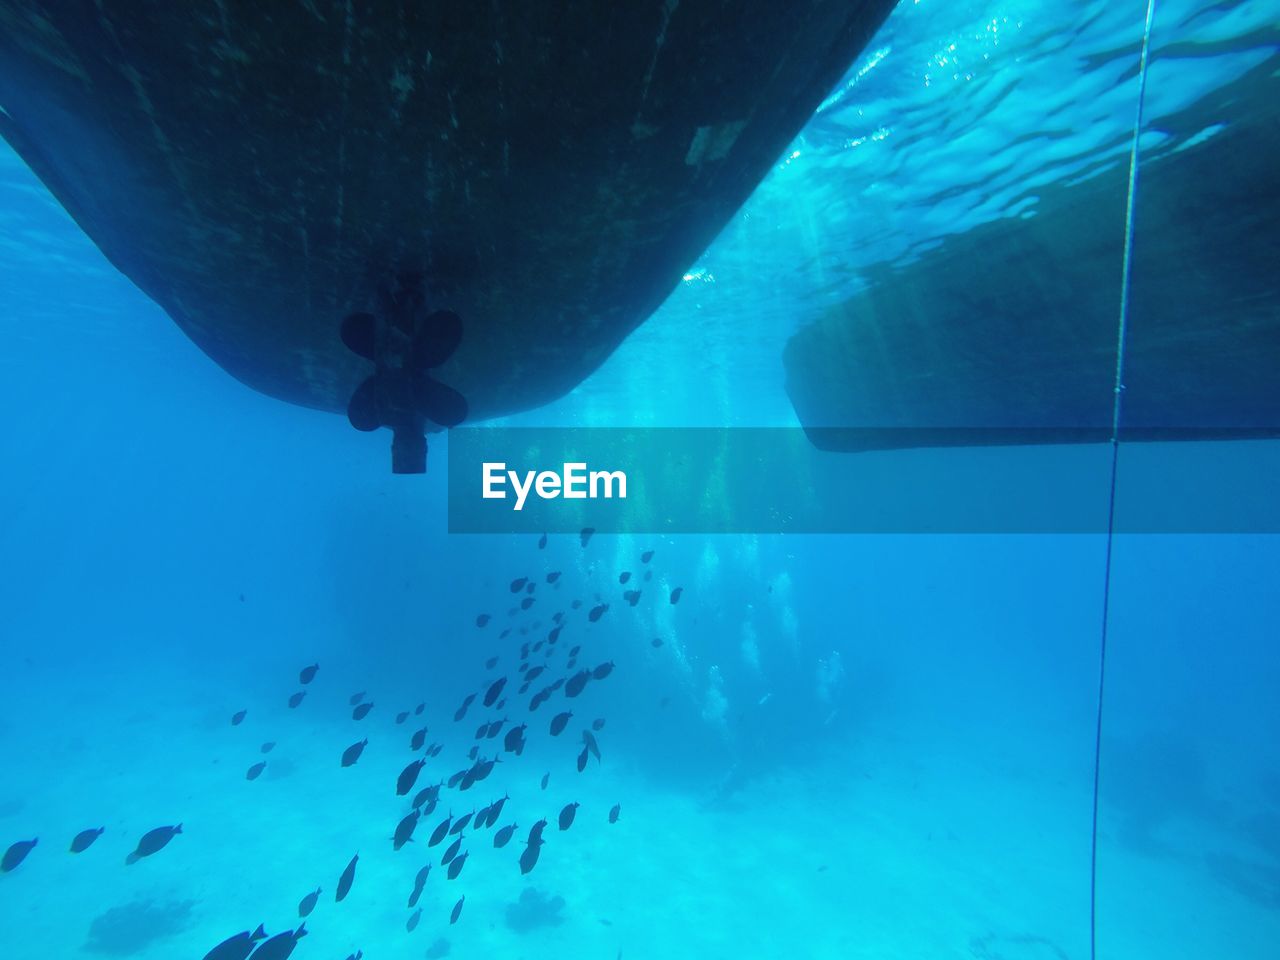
<point x="497" y="739"/>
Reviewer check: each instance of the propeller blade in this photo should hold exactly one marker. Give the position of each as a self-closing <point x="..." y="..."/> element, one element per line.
<point x="441" y="404"/>
<point x="362" y="409"/>
<point x="360" y="334"/>
<point x="440" y="335"/>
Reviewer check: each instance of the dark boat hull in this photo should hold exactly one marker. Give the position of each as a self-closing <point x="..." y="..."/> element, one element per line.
<point x="550" y="169"/>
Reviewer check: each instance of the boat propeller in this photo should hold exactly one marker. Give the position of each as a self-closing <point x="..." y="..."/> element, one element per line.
<point x="405" y="342"/>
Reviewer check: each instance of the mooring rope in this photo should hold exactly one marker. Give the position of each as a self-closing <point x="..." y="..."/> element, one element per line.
<point x="1122" y="331"/>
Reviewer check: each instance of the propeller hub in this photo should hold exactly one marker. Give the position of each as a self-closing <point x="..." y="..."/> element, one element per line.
<point x="404" y="341"/>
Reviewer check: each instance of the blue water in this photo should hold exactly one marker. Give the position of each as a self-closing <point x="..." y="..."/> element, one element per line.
<point x="845" y="747"/>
